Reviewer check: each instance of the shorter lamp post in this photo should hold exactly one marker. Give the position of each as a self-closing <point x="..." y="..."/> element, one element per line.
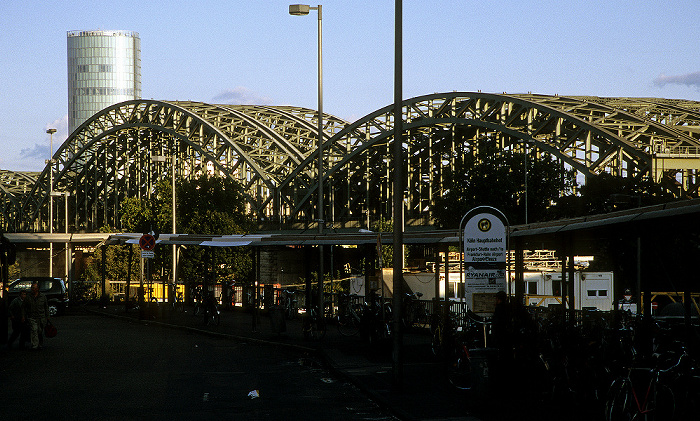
<point x="162" y="158"/>
<point x="50" y="163"/>
<point x="65" y="195"/>
<point x="525" y="142"/>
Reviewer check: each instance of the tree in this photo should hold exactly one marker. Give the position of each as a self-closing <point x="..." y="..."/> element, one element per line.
<point x="497" y="178"/>
<point x="213" y="205"/>
<point x="135" y="215"/>
<point x="606" y="193"/>
<point x="205" y="205"/>
<point x="117" y="271"/>
<point x="117" y="267"/>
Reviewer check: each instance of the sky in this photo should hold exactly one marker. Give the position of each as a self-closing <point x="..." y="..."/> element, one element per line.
<point x="254" y="52"/>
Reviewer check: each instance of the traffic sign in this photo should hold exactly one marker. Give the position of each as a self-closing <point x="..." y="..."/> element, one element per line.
<point x="147" y="242"/>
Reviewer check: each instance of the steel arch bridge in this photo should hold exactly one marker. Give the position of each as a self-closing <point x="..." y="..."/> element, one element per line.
<point x="270" y="151"/>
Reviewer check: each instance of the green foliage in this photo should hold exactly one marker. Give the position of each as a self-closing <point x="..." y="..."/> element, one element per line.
<point x="498" y="179"/>
<point x="213" y="205"/>
<point x="385" y="225"/>
<point x="13" y="271"/>
<point x="606" y="193"/>
<point x="200" y="197"/>
<point x="84" y="291"/>
<point x="135" y="215"/>
<point x="205" y="205"/>
<point x="116" y="268"/>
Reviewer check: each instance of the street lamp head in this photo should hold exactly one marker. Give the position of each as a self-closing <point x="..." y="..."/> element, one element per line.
<point x="299" y="9"/>
<point x="51" y="131"/>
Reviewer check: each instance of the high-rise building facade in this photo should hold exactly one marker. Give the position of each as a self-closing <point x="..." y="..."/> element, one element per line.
<point x="104" y="68"/>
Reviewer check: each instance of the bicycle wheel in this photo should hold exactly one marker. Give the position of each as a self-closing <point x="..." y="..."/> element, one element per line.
<point x="348" y="325"/>
<point x="621" y="405"/>
<point x="314" y="328"/>
<point x="215" y="318"/>
<point x="319" y="328"/>
<point x="664" y="404"/>
<point x="460" y="371"/>
<point x="421" y="319"/>
<point x="409" y="316"/>
<point x="436" y="343"/>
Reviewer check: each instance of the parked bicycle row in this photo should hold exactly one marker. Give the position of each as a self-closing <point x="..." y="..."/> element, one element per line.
<point x="613" y="366"/>
<point x="608" y="365"/>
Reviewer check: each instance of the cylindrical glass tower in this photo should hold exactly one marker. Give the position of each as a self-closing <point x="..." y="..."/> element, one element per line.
<point x="104" y="68"/>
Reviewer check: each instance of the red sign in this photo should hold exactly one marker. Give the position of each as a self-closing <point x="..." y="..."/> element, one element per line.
<point x="147" y="242"/>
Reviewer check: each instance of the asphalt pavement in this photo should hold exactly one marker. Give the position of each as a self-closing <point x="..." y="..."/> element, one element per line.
<point x="423" y="394"/>
<point x="108" y="368"/>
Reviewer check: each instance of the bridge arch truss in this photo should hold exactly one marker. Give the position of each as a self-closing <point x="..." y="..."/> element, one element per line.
<point x="270" y="150"/>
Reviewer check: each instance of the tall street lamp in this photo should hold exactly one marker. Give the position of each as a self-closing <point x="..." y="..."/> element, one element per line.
<point x="397" y="342"/>
<point x="302" y="10"/>
<point x="161" y="158"/>
<point x="525" y="143"/>
<point x="50" y="162"/>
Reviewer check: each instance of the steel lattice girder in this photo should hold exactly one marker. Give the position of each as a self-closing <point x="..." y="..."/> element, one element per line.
<point x="588" y="134"/>
<point x="270" y="150"/>
<point x="14" y="186"/>
<point x="108" y="157"/>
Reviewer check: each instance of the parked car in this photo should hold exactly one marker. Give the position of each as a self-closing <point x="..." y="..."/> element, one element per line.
<point x="53" y="288"/>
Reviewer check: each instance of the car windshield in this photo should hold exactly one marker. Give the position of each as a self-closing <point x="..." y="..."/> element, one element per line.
<point x="20" y="285"/>
<point x="44" y="285"/>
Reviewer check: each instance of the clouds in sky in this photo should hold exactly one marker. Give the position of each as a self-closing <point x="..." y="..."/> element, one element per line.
<point x="242" y="95"/>
<point x="689" y="79"/>
<point x="39" y="152"/>
<point x="35" y="152"/>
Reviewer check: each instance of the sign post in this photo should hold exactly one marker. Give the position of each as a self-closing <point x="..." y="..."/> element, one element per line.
<point x="147" y="242"/>
<point x="485" y="246"/>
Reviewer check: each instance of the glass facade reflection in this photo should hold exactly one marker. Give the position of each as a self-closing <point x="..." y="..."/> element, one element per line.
<point x="104" y="68"/>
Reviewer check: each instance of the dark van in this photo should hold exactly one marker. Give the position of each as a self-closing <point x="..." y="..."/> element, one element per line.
<point x="53" y="288"/>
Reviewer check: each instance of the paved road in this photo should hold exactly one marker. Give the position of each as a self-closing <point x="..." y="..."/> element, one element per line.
<point x="100" y="368"/>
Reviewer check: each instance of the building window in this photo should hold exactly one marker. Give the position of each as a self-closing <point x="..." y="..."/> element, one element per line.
<point x="532" y="288"/>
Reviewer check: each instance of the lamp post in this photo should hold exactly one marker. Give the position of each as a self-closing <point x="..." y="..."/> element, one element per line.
<point x="65" y="195"/>
<point x="50" y="162"/>
<point x="162" y="158"/>
<point x="525" y="143"/>
<point x="302" y="10"/>
<point x="397" y="342"/>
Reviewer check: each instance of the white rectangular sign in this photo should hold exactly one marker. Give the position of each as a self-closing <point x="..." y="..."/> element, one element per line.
<point x="485" y="252"/>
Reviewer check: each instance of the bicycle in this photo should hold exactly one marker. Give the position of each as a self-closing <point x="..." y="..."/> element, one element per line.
<point x="375" y="321"/>
<point x="179" y="303"/>
<point x="314" y="325"/>
<point x="209" y="308"/>
<point x="288" y="303"/>
<point x="685" y="384"/>
<point x="198" y="298"/>
<point x="415" y="313"/>
<point x="460" y="368"/>
<point x="349" y="319"/>
<point x="457" y="343"/>
<point x="626" y="403"/>
<point x="444" y="331"/>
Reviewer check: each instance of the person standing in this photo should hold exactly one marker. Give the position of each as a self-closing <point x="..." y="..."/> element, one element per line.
<point x="37" y="313"/>
<point x="19" y="321"/>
